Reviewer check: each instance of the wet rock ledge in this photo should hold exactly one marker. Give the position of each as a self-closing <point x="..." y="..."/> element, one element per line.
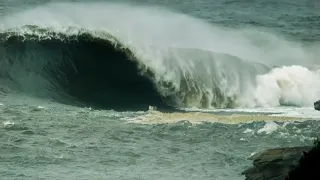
<point x="292" y="163"/>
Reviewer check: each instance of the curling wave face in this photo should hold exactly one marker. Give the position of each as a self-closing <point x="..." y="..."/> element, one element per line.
<point x="98" y="70"/>
<point x="140" y="60"/>
<point x="76" y="69"/>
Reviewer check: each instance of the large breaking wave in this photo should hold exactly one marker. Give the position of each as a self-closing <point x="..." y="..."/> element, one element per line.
<point x="127" y="57"/>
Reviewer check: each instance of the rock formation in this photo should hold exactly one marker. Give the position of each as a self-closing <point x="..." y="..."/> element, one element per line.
<point x="296" y="163"/>
<point x="317" y="105"/>
<point x="309" y="165"/>
<point x="274" y="164"/>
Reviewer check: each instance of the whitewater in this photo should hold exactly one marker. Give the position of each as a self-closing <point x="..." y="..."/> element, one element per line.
<point x="105" y="90"/>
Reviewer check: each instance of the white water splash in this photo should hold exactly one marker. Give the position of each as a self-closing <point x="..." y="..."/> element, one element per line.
<point x="268" y="128"/>
<point x="288" y="85"/>
<point x="8" y="124"/>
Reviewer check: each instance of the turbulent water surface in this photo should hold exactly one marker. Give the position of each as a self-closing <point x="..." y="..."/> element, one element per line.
<point x="154" y="90"/>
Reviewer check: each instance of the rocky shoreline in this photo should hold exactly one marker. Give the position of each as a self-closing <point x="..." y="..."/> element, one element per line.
<point x="292" y="163"/>
<point x="275" y="164"/>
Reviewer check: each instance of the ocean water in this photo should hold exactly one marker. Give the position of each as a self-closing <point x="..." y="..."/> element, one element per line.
<point x="154" y="89"/>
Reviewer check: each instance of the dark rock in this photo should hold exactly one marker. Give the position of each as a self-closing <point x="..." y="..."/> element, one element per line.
<point x="309" y="165"/>
<point x="275" y="164"/>
<point x="317" y="105"/>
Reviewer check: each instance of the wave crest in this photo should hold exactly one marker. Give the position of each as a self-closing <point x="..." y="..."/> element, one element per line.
<point x="193" y="64"/>
<point x="183" y="85"/>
